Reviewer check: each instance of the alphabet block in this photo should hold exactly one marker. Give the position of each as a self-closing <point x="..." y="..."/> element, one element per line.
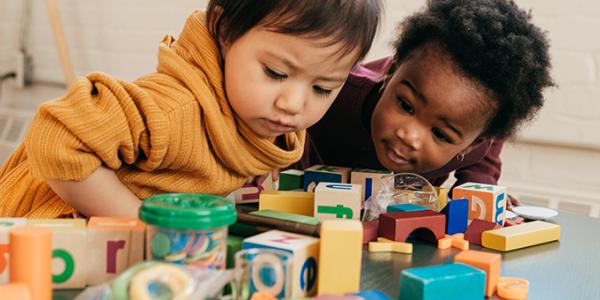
<point x="291" y="180"/>
<point x="476" y="228"/>
<point x="486" y="201"/>
<point x="250" y="191"/>
<point x="369" y="179"/>
<point x="520" y="236"/>
<point x="457" y="212"/>
<point x="6" y="224"/>
<point x="69" y="254"/>
<point x="305" y="250"/>
<point x="397" y="226"/>
<point x="337" y="201"/>
<point x="485" y="261"/>
<point x="301" y="203"/>
<point x="114" y="244"/>
<point x="321" y="173"/>
<point x="449" y="281"/>
<point x="340" y="257"/>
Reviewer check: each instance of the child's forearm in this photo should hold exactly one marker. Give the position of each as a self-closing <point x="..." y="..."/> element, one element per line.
<point x="100" y="194"/>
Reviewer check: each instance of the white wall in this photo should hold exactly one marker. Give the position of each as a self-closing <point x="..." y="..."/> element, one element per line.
<point x="555" y="160"/>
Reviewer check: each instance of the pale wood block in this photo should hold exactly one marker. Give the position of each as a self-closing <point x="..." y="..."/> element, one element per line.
<point x="305" y="251"/>
<point x="485" y="261"/>
<point x="321" y="173"/>
<point x="340" y="257"/>
<point x="69" y="257"/>
<point x="369" y="179"/>
<point x="337" y="201"/>
<point x="520" y="236"/>
<point x="114" y="244"/>
<point x="486" y="202"/>
<point x="6" y="224"/>
<point x="301" y="203"/>
<point x="250" y="192"/>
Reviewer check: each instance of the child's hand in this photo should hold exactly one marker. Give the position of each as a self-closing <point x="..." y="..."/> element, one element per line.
<point x="258" y="180"/>
<point x="513" y="201"/>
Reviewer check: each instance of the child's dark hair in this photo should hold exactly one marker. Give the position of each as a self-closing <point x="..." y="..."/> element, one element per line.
<point x="493" y="43"/>
<point x="353" y="22"/>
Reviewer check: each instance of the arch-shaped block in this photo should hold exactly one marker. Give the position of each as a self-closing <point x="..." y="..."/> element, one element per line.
<point x="397" y="226"/>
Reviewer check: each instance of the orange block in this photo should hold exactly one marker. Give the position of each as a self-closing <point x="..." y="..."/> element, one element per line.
<point x="30" y="260"/>
<point x="15" y="291"/>
<point x="485" y="261"/>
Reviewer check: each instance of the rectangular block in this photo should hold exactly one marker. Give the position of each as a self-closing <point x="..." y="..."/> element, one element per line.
<point x="250" y="192"/>
<point x="114" y="244"/>
<point x="397" y="226"/>
<point x="69" y="255"/>
<point x="457" y="214"/>
<point x="485" y="261"/>
<point x="6" y="224"/>
<point x="486" y="201"/>
<point x="520" y="236"/>
<point x="404" y="207"/>
<point x="442" y="194"/>
<point x="337" y="201"/>
<point x="321" y="173"/>
<point x="369" y="179"/>
<point x="305" y="251"/>
<point x="340" y="257"/>
<point x="286" y="216"/>
<point x="440" y="282"/>
<point x="301" y="203"/>
<point x="476" y="228"/>
<point x="291" y="180"/>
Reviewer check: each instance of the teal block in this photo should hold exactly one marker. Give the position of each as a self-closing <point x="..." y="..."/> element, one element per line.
<point x="440" y="282"/>
<point x="404" y="207"/>
<point x="290" y="180"/>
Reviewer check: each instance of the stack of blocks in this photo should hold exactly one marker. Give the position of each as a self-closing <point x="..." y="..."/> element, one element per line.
<point x="321" y="173"/>
<point x="486" y="202"/>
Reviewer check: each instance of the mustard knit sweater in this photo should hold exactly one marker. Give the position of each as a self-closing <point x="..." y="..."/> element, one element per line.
<point x="170" y="131"/>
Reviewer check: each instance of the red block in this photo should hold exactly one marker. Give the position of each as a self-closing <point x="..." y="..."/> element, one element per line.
<point x="398" y="225"/>
<point x="370" y="231"/>
<point x="478" y="226"/>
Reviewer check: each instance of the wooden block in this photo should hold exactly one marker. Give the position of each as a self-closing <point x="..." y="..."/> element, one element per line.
<point x="520" y="236"/>
<point x="476" y="228"/>
<point x="234" y="244"/>
<point x="486" y="201"/>
<point x="305" y="251"/>
<point x="321" y="173"/>
<point x="114" y="244"/>
<point x="337" y="201"/>
<point x="31" y="260"/>
<point x="512" y="288"/>
<point x="370" y="230"/>
<point x="15" y="291"/>
<point x="250" y="192"/>
<point x="286" y="216"/>
<point x="404" y="207"/>
<point x="372" y="295"/>
<point x="442" y="194"/>
<point x="397" y="226"/>
<point x="399" y="247"/>
<point x="293" y="202"/>
<point x="369" y="179"/>
<point x="291" y="180"/>
<point x="445" y="242"/>
<point x="457" y="216"/>
<point x="448" y="281"/>
<point x="340" y="257"/>
<point x="485" y="261"/>
<point x="380" y="247"/>
<point x="6" y="224"/>
<point x="460" y="244"/>
<point x="69" y="257"/>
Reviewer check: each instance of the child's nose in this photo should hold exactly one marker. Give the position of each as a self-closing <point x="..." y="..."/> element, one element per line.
<point x="291" y="101"/>
<point x="411" y="136"/>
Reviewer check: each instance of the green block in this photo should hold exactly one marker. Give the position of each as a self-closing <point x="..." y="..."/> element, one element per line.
<point x="440" y="282"/>
<point x="405" y="207"/>
<point x="291" y="180"/>
<point x="286" y="216"/>
<point x="234" y="244"/>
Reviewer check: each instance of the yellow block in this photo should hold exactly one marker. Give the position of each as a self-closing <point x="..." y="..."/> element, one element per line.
<point x="520" y="236"/>
<point x="396" y="246"/>
<point x="442" y="194"/>
<point x="301" y="203"/>
<point x="340" y="257"/>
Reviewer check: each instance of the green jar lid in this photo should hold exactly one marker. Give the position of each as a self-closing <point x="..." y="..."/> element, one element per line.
<point x="187" y="211"/>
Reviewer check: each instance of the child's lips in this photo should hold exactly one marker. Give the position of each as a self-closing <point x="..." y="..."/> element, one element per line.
<point x="278" y="126"/>
<point x="396" y="158"/>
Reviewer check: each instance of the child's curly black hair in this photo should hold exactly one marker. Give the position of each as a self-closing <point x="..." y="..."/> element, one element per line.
<point x="494" y="43"/>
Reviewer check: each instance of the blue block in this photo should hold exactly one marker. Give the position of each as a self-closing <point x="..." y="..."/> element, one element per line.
<point x="311" y="176"/>
<point x="457" y="216"/>
<point x="372" y="295"/>
<point x="404" y="207"/>
<point x="440" y="282"/>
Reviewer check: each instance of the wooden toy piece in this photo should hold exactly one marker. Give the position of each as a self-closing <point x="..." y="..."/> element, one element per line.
<point x="234" y="244"/>
<point x="404" y="207"/>
<point x="448" y="281"/>
<point x="301" y="203"/>
<point x="485" y="261"/>
<point x="457" y="214"/>
<point x="321" y="173"/>
<point x="512" y="288"/>
<point x="337" y="201"/>
<point x="460" y="244"/>
<point x="445" y="242"/>
<point x="250" y="191"/>
<point x="256" y="224"/>
<point x="442" y="194"/>
<point x="370" y="231"/>
<point x="6" y="224"/>
<point x="399" y="247"/>
<point x="114" y="244"/>
<point x="456" y="240"/>
<point x="486" y="202"/>
<point x="520" y="236"/>
<point x="369" y="179"/>
<point x="372" y="295"/>
<point x="262" y="296"/>
<point x="291" y="180"/>
<point x="69" y="258"/>
<point x="397" y="226"/>
<point x="15" y="291"/>
<point x="286" y="216"/>
<point x="31" y="260"/>
<point x="340" y="257"/>
<point x="380" y="247"/>
<point x="476" y="228"/>
<point x="305" y="251"/>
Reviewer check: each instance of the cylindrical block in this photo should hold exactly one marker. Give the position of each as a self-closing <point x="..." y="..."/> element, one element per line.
<point x="15" y="291"/>
<point x="30" y="260"/>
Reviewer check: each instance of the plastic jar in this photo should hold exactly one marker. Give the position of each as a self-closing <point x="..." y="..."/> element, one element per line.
<point x="188" y="229"/>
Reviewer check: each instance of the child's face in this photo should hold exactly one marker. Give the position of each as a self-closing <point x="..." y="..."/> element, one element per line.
<point x="428" y="113"/>
<point x="278" y="83"/>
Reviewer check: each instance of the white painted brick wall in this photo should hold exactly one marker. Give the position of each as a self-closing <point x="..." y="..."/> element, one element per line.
<point x="120" y="37"/>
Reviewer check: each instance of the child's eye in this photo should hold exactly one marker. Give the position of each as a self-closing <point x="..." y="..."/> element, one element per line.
<point x="321" y="91"/>
<point x="405" y="106"/>
<point x="440" y="135"/>
<point x="274" y="74"/>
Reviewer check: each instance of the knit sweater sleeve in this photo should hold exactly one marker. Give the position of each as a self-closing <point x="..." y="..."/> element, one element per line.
<point x="101" y="120"/>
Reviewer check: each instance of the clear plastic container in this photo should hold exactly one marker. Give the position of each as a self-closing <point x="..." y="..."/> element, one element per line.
<point x="187" y="229"/>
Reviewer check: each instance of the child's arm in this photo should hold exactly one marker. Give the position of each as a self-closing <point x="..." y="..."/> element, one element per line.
<point x="101" y="193"/>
